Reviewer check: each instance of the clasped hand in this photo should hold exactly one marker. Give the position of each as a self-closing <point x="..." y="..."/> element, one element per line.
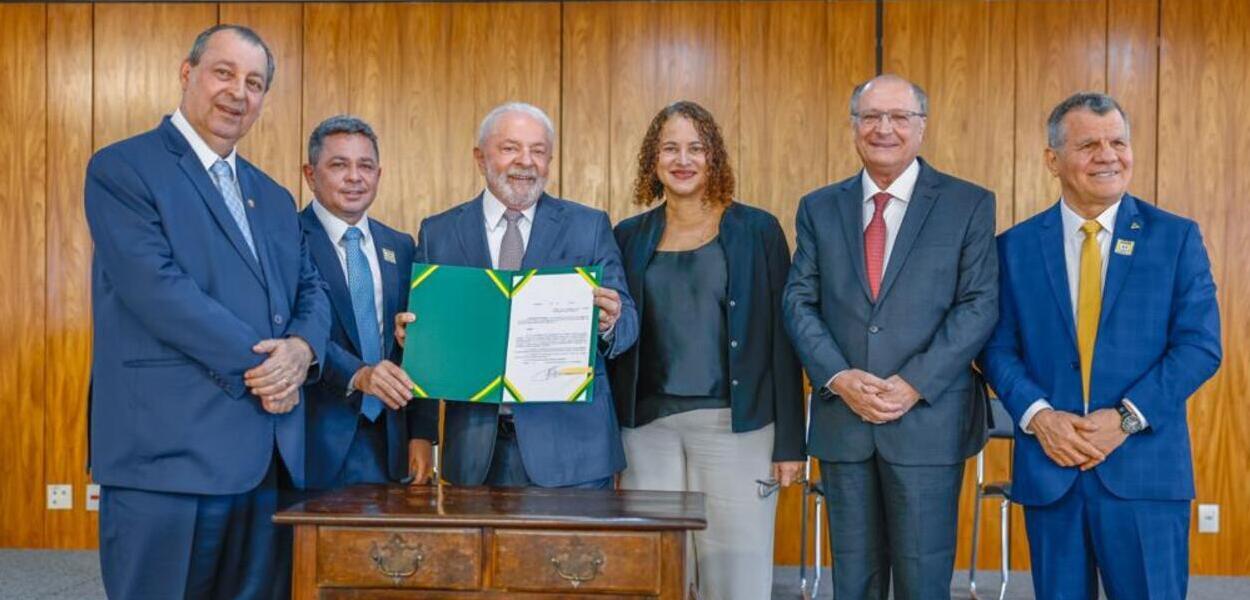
<point x="277" y="380"/>
<point x="875" y="400"/>
<point x="1075" y="441"/>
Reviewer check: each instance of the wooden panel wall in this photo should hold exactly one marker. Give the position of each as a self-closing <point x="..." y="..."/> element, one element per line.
<point x="777" y="75"/>
<point x="1204" y="147"/>
<point x="23" y="196"/>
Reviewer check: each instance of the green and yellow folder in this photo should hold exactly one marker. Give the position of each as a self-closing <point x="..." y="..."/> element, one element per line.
<point x="488" y="335"/>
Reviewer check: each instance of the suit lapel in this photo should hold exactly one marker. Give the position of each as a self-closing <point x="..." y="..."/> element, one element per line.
<point x="923" y="197"/>
<point x="547" y="228"/>
<point x="1127" y="228"/>
<point x="1050" y="240"/>
<point x="641" y="249"/>
<point x="392" y="282"/>
<point x="327" y="261"/>
<point x="849" y="200"/>
<point x="471" y="229"/>
<point x="254" y="214"/>
<point x="194" y="171"/>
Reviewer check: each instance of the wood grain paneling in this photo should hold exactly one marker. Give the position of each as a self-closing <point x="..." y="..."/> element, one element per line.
<point x="69" y="270"/>
<point x="1061" y="49"/>
<point x="502" y="52"/>
<point x="586" y="83"/>
<point x="136" y="76"/>
<point x="852" y="27"/>
<point x="1204" y="145"/>
<point x="783" y="149"/>
<point x="23" y="110"/>
<point x="274" y="142"/>
<point x="1133" y="79"/>
<point x="653" y="54"/>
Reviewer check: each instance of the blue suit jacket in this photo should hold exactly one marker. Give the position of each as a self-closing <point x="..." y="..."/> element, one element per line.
<point x="332" y="413"/>
<point x="561" y="443"/>
<point x="178" y="302"/>
<point x="1158" y="340"/>
<point x="937" y="304"/>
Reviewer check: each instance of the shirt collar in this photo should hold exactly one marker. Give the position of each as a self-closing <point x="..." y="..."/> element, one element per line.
<point x="900" y="189"/>
<point x="493" y="209"/>
<point x="336" y="227"/>
<point x="1072" y="222"/>
<point x="206" y="155"/>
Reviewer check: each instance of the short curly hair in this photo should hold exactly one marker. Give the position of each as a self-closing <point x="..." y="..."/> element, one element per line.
<point x="720" y="178"/>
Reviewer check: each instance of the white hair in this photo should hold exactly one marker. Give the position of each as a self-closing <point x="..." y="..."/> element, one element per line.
<point x="488" y="123"/>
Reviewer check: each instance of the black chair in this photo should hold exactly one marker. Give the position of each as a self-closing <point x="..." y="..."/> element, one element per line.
<point x="1001" y="428"/>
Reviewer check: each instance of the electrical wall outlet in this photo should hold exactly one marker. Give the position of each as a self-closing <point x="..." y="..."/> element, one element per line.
<point x="60" y="496"/>
<point x="93" y="496"/>
<point x="1208" y="518"/>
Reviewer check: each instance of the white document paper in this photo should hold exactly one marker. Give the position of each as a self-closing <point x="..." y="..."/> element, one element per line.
<point x="549" y="338"/>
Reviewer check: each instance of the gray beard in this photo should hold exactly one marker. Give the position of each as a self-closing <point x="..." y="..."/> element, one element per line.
<point x="511" y="198"/>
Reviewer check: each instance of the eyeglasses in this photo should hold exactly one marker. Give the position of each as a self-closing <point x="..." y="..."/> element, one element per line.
<point x="770" y="486"/>
<point x="899" y="119"/>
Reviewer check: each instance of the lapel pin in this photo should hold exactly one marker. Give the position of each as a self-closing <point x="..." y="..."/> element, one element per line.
<point x="1134" y="225"/>
<point x="1124" y="247"/>
<point x="251" y="203"/>
<point x="388" y="255"/>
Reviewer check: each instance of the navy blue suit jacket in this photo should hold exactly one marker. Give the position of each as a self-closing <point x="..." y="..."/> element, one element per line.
<point x="766" y="380"/>
<point x="332" y="413"/>
<point x="178" y="302"/>
<point x="1158" y="340"/>
<point x="561" y="443"/>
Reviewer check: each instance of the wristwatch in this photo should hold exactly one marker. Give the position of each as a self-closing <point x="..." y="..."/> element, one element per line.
<point x="1129" y="423"/>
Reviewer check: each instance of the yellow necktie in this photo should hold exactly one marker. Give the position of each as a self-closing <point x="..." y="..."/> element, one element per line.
<point x="1088" y="303"/>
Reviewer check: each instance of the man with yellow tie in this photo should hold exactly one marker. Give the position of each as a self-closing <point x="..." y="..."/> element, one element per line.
<point x="1108" y="323"/>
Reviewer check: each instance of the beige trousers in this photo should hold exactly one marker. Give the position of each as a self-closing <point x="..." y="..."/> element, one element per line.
<point x="697" y="451"/>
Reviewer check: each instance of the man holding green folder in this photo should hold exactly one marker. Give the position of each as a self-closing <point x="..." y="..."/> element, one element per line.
<point x="513" y="224"/>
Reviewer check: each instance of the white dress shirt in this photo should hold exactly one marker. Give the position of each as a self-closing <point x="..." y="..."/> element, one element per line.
<point x="206" y="155"/>
<point x="335" y="228"/>
<point x="900" y="191"/>
<point x="1073" y="239"/>
<point x="493" y="208"/>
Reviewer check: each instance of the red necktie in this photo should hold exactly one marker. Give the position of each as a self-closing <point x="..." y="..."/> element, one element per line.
<point x="874" y="242"/>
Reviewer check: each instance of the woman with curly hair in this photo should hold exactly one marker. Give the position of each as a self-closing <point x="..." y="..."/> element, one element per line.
<point x="710" y="396"/>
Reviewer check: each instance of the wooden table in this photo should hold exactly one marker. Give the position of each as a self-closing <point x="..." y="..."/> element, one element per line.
<point x="376" y="541"/>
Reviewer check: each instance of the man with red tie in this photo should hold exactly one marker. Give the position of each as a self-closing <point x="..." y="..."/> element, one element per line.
<point x="892" y="292"/>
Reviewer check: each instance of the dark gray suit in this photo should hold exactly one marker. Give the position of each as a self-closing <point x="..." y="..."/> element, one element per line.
<point x="894" y="488"/>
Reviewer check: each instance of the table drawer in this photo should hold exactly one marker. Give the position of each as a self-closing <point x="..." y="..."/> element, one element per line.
<point x="400" y="558"/>
<point x="582" y="561"/>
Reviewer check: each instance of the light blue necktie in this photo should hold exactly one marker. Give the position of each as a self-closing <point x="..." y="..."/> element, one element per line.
<point x="360" y="283"/>
<point x="223" y="178"/>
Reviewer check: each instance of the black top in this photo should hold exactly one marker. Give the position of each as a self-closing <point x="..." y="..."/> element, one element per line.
<point x="683" y="363"/>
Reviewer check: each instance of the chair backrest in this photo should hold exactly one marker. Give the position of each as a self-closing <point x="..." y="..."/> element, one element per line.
<point x="1001" y="424"/>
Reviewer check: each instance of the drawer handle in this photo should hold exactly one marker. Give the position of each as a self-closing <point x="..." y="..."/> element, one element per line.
<point x="396" y="559"/>
<point x="578" y="565"/>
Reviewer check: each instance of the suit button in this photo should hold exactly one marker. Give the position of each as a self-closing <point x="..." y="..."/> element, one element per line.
<point x="733" y="344"/>
<point x="874" y="329"/>
<point x="732" y="304"/>
<point x="277" y="319"/>
<point x="1076" y="366"/>
<point x="734" y="383"/>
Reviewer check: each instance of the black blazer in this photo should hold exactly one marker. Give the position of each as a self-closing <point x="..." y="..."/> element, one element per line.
<point x="765" y="378"/>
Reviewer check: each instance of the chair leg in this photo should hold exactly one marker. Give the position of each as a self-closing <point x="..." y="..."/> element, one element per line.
<point x="1004" y="511"/>
<point x="818" y="570"/>
<point x="976" y="524"/>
